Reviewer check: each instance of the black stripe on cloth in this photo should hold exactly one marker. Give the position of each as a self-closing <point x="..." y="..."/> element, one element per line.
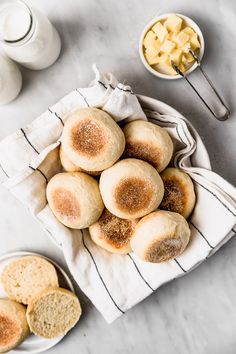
<point x="180" y="266"/>
<point x="177" y="130"/>
<point x="54" y="239"/>
<point x="55" y="114"/>
<point x="26" y="138"/>
<point x="101" y="83"/>
<point x="4" y="171"/>
<point x="201" y="234"/>
<point x="99" y="274"/>
<point x="176" y="127"/>
<point x="125" y="90"/>
<point x="41" y="172"/>
<point x="84" y="98"/>
<point x="234" y="230"/>
<point x="113" y="88"/>
<point x="135" y="265"/>
<point x="208" y="190"/>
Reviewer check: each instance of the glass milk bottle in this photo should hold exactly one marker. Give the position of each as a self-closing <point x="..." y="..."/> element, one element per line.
<point x="10" y="80"/>
<point x="27" y="36"/>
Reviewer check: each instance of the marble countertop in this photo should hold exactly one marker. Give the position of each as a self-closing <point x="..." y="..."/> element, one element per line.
<point x="197" y="313"/>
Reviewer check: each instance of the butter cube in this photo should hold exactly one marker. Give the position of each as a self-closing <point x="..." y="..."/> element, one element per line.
<point x="167" y="46"/>
<point x="176" y="56"/>
<point x="151" y="59"/>
<point x="189" y="31"/>
<point x="160" y="31"/>
<point x="165" y="68"/>
<point x="194" y="42"/>
<point x="173" y="23"/>
<point x="157" y="45"/>
<point x="163" y="58"/>
<point x="182" y="38"/>
<point x="153" y="50"/>
<point x="173" y="36"/>
<point x="149" y="39"/>
<point x="186" y="48"/>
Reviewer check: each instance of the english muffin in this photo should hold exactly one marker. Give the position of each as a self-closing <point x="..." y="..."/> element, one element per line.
<point x="68" y="166"/>
<point x="149" y="142"/>
<point x="131" y="188"/>
<point x="74" y="199"/>
<point x="179" y="195"/>
<point x="113" y="233"/>
<point x="53" y="312"/>
<point x="160" y="236"/>
<point x="13" y="325"/>
<point x="92" y="140"/>
<point x="26" y="276"/>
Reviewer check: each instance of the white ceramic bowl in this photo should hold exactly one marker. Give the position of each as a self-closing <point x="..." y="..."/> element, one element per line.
<point x="189" y="22"/>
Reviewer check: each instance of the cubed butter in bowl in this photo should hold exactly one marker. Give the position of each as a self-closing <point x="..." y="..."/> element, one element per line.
<point x="170" y="37"/>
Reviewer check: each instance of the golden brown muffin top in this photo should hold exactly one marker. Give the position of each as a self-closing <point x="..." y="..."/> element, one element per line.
<point x="133" y="194"/>
<point x="88" y="138"/>
<point x="115" y="230"/>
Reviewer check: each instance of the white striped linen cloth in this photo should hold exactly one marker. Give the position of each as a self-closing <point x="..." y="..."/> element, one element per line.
<point x="115" y="283"/>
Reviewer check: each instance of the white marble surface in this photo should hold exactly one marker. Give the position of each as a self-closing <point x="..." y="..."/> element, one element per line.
<point x="197" y="313"/>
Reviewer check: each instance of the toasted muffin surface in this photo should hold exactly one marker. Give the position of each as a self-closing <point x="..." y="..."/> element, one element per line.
<point x="179" y="194"/>
<point x="92" y="140"/>
<point x="13" y="325"/>
<point x="131" y="188"/>
<point x="133" y="194"/>
<point x="149" y="142"/>
<point x="113" y="233"/>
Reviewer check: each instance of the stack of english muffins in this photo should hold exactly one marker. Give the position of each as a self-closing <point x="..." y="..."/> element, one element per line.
<point x="35" y="303"/>
<point x="118" y="183"/>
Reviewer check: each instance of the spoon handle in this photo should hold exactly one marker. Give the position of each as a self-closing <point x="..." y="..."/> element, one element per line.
<point x="226" y="113"/>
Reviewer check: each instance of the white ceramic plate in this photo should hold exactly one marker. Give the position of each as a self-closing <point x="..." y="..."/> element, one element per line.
<point x="35" y="344"/>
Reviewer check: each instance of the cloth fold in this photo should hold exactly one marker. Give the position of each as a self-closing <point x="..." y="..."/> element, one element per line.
<point x="115" y="283"/>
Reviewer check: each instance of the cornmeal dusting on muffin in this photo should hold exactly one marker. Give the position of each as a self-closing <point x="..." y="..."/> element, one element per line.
<point x="8" y="330"/>
<point x="174" y="196"/>
<point x="143" y="151"/>
<point x="116" y="230"/>
<point x="163" y="250"/>
<point x="65" y="203"/>
<point x="88" y="137"/>
<point x="133" y="194"/>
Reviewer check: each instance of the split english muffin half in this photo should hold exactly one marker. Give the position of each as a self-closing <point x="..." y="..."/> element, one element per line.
<point x="53" y="312"/>
<point x="23" y="278"/>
